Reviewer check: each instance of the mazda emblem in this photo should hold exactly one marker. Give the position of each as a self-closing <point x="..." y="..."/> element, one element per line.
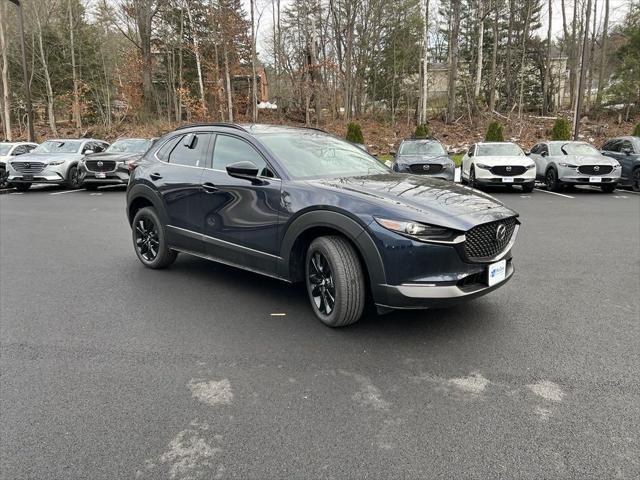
<point x="508" y="169"/>
<point x="596" y="168"/>
<point x="501" y="232"/>
<point x="27" y="165"/>
<point x="99" y="164"/>
<point x="426" y="167"/>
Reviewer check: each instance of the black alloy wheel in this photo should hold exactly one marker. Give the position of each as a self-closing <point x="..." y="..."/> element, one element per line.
<point x="147" y="239"/>
<point x="73" y="179"/>
<point x="323" y="289"/>
<point x="635" y="180"/>
<point x="552" y="180"/>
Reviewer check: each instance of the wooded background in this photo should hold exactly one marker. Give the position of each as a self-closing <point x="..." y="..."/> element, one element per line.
<point x="114" y="67"/>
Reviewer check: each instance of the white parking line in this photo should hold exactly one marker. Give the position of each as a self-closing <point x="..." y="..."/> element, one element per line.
<point x="16" y="193"/>
<point x="554" y="193"/>
<point x="628" y="191"/>
<point x="68" y="191"/>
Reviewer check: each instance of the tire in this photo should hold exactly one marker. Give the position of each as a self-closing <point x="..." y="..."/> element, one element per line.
<point x="73" y="181"/>
<point x="527" y="188"/>
<point x="90" y="186"/>
<point x="344" y="278"/>
<point x="472" y="178"/>
<point x="608" y="188"/>
<point x="635" y="179"/>
<point x="145" y="229"/>
<point x="4" y="175"/>
<point x="22" y="187"/>
<point x="551" y="179"/>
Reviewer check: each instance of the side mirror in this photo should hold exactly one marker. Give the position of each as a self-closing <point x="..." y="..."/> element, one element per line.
<point x="245" y="169"/>
<point x="88" y="151"/>
<point x="190" y="141"/>
<point x="393" y="153"/>
<point x="470" y="154"/>
<point x="527" y="152"/>
<point x="544" y="154"/>
<point x="626" y="151"/>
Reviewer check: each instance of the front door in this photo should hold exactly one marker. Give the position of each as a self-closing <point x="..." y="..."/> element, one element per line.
<point x="240" y="217"/>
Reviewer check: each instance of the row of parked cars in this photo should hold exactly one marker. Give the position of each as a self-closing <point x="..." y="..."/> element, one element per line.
<point x="558" y="164"/>
<point x="86" y="162"/>
<point x="90" y="162"/>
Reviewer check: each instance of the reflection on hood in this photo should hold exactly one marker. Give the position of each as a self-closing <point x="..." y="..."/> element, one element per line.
<point x="411" y="159"/>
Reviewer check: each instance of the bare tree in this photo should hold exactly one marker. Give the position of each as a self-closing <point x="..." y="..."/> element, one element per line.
<point x="6" y="99"/>
<point x="196" y="52"/>
<point x="453" y="59"/>
<point x="76" y="93"/>
<point x="45" y="70"/>
<point x="583" y="72"/>
<point x="603" y="53"/>
<point x="425" y="62"/>
<point x="547" y="71"/>
<point x="254" y="82"/>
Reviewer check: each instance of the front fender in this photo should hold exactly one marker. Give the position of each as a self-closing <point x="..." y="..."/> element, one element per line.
<point x="351" y="229"/>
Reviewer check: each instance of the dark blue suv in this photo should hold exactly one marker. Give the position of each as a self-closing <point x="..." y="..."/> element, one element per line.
<point x="301" y="205"/>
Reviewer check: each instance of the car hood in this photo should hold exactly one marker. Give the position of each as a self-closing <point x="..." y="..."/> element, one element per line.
<point x="421" y="198"/>
<point x="413" y="159"/>
<point x="48" y="157"/>
<point x="117" y="157"/>
<point x="506" y="160"/>
<point x="587" y="159"/>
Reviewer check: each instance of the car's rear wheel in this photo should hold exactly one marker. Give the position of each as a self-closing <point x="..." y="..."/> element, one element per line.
<point x="150" y="241"/>
<point x="551" y="179"/>
<point x="73" y="179"/>
<point x="608" y="188"/>
<point x="22" y="187"/>
<point x="635" y="180"/>
<point x="335" y="281"/>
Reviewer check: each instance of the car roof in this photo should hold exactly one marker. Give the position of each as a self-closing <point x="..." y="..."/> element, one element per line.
<point x="18" y="143"/>
<point x="253" y="128"/>
<point x="495" y="143"/>
<point x="564" y="142"/>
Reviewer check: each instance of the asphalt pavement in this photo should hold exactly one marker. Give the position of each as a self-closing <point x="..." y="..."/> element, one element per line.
<point x="109" y="370"/>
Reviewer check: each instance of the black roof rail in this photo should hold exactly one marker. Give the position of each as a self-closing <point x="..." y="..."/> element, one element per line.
<point x="214" y="124"/>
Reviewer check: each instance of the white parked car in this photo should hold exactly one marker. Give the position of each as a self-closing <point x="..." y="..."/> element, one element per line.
<point x="53" y="161"/>
<point x="9" y="150"/>
<point x="498" y="164"/>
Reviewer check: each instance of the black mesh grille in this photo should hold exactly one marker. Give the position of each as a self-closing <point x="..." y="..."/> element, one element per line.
<point x="595" y="169"/>
<point x="28" y="167"/>
<point x="100" y="165"/>
<point x="484" y="241"/>
<point x="506" y="170"/>
<point x="426" y="168"/>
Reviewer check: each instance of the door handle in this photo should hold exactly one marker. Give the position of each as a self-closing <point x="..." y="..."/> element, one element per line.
<point x="209" y="187"/>
<point x="155" y="176"/>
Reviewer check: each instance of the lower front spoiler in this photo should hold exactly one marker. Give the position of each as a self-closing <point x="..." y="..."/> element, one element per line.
<point x="585" y="180"/>
<point x="421" y="296"/>
<point x="50" y="179"/>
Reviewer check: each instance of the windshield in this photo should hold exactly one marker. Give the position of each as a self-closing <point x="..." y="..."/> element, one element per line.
<point x="58" y="146"/>
<point x="499" y="150"/>
<point x="573" y="149"/>
<point x="422" y="148"/>
<point x="311" y="155"/>
<point x="4" y="149"/>
<point x="129" y="145"/>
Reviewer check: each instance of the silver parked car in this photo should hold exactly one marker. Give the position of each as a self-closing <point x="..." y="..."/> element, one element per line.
<point x="560" y="163"/>
<point x="54" y="161"/>
<point x="423" y="157"/>
<point x="8" y="150"/>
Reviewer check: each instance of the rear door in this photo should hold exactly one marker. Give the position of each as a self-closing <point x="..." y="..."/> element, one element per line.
<point x="240" y="217"/>
<point x="177" y="178"/>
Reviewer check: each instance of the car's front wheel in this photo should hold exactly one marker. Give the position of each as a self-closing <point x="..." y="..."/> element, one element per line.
<point x="551" y="179"/>
<point x="527" y="187"/>
<point x="335" y="281"/>
<point x="22" y="187"/>
<point x="635" y="180"/>
<point x="4" y="176"/>
<point x="73" y="179"/>
<point x="608" y="188"/>
<point x="150" y="241"/>
<point x="472" y="178"/>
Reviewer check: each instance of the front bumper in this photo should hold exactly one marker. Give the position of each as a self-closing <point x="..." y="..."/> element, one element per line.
<point x="52" y="174"/>
<point x="119" y="176"/>
<point x="443" y="294"/>
<point x="485" y="177"/>
<point x="444" y="174"/>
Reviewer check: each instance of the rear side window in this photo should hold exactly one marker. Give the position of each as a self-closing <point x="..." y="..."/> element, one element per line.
<point x="191" y="150"/>
<point x="230" y="150"/>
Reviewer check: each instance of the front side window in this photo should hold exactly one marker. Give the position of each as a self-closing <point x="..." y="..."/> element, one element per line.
<point x="59" y="146"/>
<point x="316" y="155"/>
<point x="422" y="148"/>
<point x="499" y="150"/>
<point x="191" y="150"/>
<point x="228" y="150"/>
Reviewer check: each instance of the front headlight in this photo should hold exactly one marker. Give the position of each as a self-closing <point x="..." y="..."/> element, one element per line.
<point x="56" y="163"/>
<point x="529" y="167"/>
<point x="567" y="165"/>
<point x="422" y="231"/>
<point x="482" y="165"/>
<point x="616" y="166"/>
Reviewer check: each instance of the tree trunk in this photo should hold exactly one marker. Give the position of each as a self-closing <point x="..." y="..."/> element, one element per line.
<point x="547" y="71"/>
<point x="180" y="68"/>
<point x="47" y="78"/>
<point x="425" y="64"/>
<point x="228" y="80"/>
<point x="196" y="51"/>
<point x="76" y="94"/>
<point x="494" y="60"/>
<point x="592" y="54"/>
<point x="580" y="92"/>
<point x="254" y="80"/>
<point x="476" y="88"/>
<point x="525" y="35"/>
<point x="6" y="99"/>
<point x="603" y="53"/>
<point x="453" y="63"/>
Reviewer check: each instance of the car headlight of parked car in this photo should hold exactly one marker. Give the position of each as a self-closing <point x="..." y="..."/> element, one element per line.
<point x="422" y="231"/>
<point x="529" y="167"/>
<point x="567" y="165"/>
<point x="483" y="166"/>
<point x="616" y="166"/>
<point x="56" y="162"/>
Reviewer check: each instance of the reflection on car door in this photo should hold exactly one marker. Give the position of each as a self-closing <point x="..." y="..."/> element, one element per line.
<point x="240" y="216"/>
<point x="177" y="176"/>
